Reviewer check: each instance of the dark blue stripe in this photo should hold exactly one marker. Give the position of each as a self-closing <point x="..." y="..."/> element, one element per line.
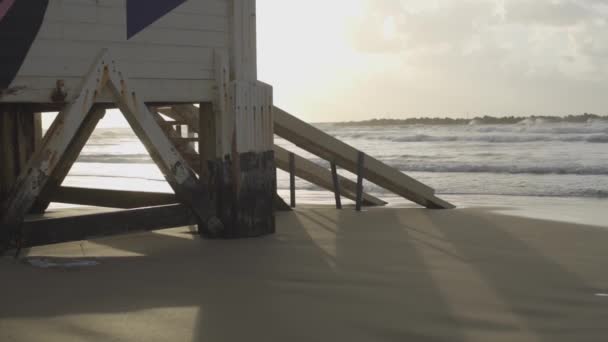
<point x="142" y="13"/>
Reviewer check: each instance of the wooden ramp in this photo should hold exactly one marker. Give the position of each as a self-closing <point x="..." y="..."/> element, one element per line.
<point x="304" y="169"/>
<point x="331" y="149"/>
<point x="327" y="147"/>
<point x="322" y="177"/>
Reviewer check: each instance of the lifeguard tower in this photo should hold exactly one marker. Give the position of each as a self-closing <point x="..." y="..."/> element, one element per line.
<point x="193" y="61"/>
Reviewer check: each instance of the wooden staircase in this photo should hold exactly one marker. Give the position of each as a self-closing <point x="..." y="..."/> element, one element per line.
<point x="305" y="169"/>
<point x="321" y="144"/>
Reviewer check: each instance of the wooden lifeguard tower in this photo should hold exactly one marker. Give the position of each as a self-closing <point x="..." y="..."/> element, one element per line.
<point x="193" y="61"/>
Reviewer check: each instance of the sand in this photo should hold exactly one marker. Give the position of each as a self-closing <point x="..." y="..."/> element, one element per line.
<point x="387" y="274"/>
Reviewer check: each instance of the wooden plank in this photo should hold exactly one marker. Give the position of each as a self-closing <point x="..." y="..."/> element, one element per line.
<point x="7" y="153"/>
<point x="58" y="230"/>
<point x="183" y="146"/>
<point x="176" y="169"/>
<point x="292" y="179"/>
<point x="207" y="143"/>
<point x="38" y="135"/>
<point x="360" y="177"/>
<point x="68" y="159"/>
<point x="244" y="54"/>
<point x="336" y="181"/>
<point x="305" y="169"/>
<point x="112" y="198"/>
<point x="187" y="139"/>
<point x="327" y="147"/>
<point x="38" y="89"/>
<point x="104" y="73"/>
<point x="43" y="164"/>
<point x="316" y="174"/>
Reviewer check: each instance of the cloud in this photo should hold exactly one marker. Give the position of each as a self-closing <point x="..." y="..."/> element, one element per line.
<point x="548" y="12"/>
<point x="441" y="57"/>
<point x="531" y="36"/>
<point x="518" y="54"/>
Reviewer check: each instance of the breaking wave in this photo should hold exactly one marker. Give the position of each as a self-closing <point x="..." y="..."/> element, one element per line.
<point x="116" y="158"/>
<point x="487" y="138"/>
<point x="503" y="169"/>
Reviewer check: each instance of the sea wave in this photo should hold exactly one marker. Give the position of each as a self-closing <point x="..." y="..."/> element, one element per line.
<point x="380" y="192"/>
<point x="116" y="158"/>
<point x="488" y="138"/>
<point x="586" y="193"/>
<point x="503" y="169"/>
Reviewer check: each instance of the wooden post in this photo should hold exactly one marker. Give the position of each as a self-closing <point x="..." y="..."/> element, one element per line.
<point x="207" y="139"/>
<point x="292" y="179"/>
<point x="57" y="230"/>
<point x="18" y="141"/>
<point x="236" y="136"/>
<point x="320" y="176"/>
<point x="336" y="180"/>
<point x="360" y="176"/>
<point x="315" y="141"/>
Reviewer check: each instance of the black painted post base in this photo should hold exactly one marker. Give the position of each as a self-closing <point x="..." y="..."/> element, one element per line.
<point x="244" y="194"/>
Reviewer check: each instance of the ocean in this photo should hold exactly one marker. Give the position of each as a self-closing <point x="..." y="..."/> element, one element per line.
<point x="469" y="164"/>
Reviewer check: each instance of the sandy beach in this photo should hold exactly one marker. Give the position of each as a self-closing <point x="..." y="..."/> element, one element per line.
<point x="391" y="274"/>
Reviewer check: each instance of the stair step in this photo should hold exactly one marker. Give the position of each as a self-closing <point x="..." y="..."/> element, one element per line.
<point x="173" y="123"/>
<point x="182" y="139"/>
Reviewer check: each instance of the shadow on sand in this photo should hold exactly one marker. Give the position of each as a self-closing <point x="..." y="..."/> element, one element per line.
<point x="326" y="275"/>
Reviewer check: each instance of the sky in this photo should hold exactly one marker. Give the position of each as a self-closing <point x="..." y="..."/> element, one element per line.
<point x="341" y="60"/>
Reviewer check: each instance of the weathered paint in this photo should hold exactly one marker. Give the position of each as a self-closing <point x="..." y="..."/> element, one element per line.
<point x="244" y="194"/>
<point x="19" y="128"/>
<point x="105" y="73"/>
<point x="58" y="230"/>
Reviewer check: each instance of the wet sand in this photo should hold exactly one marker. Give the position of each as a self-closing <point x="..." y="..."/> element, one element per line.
<point x="390" y="274"/>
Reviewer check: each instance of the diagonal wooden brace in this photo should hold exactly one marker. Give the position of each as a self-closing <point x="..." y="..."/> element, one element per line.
<point x="174" y="167"/>
<point x="70" y="156"/>
<point x="104" y="73"/>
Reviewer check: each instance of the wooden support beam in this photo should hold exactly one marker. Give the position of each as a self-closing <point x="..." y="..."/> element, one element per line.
<point x="68" y="159"/>
<point x="104" y="74"/>
<point x="179" y="175"/>
<point x="19" y="138"/>
<point x="238" y="152"/>
<point x="292" y="179"/>
<point x="320" y="176"/>
<point x="327" y="147"/>
<point x="336" y="181"/>
<point x="45" y="162"/>
<point x="187" y="140"/>
<point x="173" y="123"/>
<point x="112" y="198"/>
<point x="76" y="228"/>
<point x="360" y="177"/>
<point x="207" y="139"/>
<point x="305" y="169"/>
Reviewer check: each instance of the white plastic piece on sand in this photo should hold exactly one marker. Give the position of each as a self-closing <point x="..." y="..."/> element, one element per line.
<point x="48" y="263"/>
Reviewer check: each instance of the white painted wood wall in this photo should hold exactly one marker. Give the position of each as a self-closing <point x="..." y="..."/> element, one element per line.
<point x="170" y="61"/>
<point x="252" y="105"/>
